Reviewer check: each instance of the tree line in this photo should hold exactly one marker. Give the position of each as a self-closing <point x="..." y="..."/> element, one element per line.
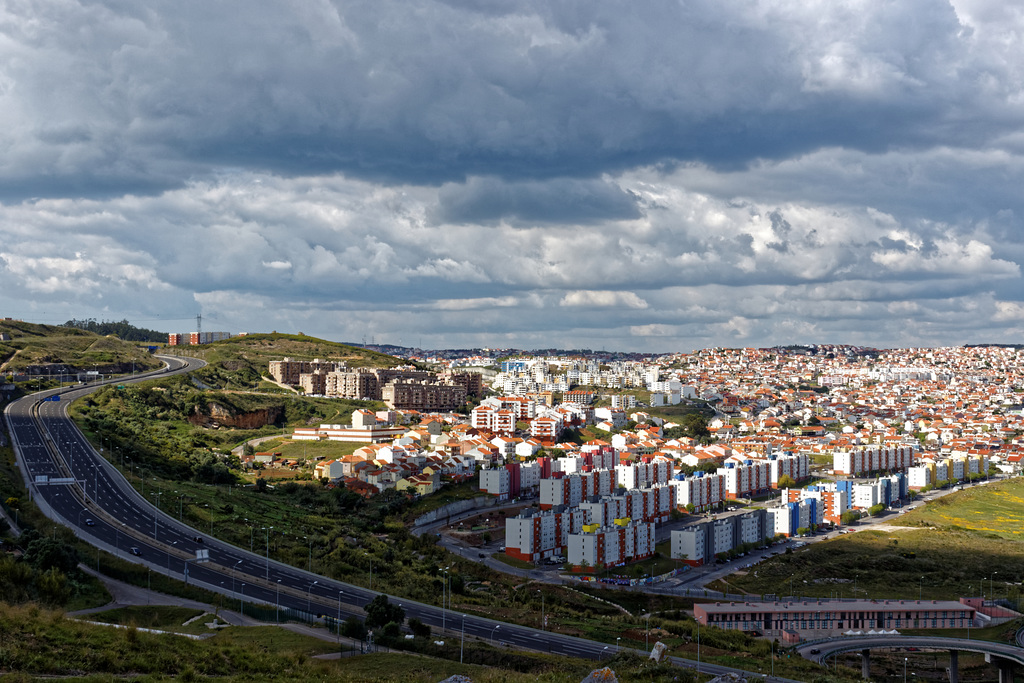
<point x="122" y="329"/>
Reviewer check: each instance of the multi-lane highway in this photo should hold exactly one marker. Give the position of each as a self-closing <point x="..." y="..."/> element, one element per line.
<point x="76" y="486"/>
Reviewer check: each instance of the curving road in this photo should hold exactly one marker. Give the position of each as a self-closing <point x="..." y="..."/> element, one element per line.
<point x="72" y="484"/>
<point x="827" y="648"/>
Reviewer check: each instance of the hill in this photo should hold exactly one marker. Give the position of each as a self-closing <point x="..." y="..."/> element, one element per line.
<point x="241" y="362"/>
<point x="54" y="349"/>
<point x="122" y="330"/>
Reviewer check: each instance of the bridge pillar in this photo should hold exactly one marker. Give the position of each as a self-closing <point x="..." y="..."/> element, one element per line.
<point x="954" y="671"/>
<point x="865" y="665"/>
<point x="1005" y="667"/>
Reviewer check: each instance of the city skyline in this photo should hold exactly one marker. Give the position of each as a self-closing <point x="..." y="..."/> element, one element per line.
<point x="518" y="174"/>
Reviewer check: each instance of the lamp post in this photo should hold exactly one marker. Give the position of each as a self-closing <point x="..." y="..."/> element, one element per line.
<point x="920" y="585"/>
<point x="310" y="565"/>
<point x="157" y="496"/>
<point x="904" y="670"/>
<point x="647" y="633"/>
<point x="444" y="589"/>
<point x="340" y="593"/>
<point x="370" y="557"/>
<point x="992" y="587"/>
<point x="241" y="596"/>
<point x="173" y="545"/>
<point x="543" y="621"/>
<point x="617" y="648"/>
<point x="492" y="633"/>
<point x="309" y="597"/>
<point x="698" y="646"/>
<point x="279" y="601"/>
<point x="462" y="647"/>
<point x="235" y="568"/>
<point x="268" y="530"/>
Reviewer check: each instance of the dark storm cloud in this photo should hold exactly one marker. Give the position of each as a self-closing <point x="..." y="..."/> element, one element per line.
<point x="484" y="200"/>
<point x="425" y="91"/>
<point x="520" y="171"/>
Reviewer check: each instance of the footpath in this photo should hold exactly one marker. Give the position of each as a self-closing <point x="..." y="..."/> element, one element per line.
<point x="127" y="595"/>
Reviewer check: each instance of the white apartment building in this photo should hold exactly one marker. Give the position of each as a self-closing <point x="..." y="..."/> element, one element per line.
<point x="610" y="546"/>
<point x="496" y="481"/>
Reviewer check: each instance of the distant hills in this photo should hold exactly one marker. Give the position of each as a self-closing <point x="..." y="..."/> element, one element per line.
<point x="123" y="330"/>
<point x="28" y="348"/>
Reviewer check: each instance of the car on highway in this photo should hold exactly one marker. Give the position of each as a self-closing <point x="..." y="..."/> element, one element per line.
<point x="89" y="522"/>
<point x="815" y="651"/>
<point x="135" y="551"/>
<point x="198" y="539"/>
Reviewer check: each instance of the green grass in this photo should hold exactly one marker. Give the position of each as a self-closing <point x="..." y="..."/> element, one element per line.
<point x="309" y="450"/>
<point x="995" y="509"/>
<point x="935" y="564"/>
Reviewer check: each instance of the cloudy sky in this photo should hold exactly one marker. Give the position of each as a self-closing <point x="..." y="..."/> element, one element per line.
<point x="649" y="176"/>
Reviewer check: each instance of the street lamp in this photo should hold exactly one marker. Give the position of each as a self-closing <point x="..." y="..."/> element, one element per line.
<point x="157" y="496"/>
<point x="444" y="587"/>
<point x="920" y="584"/>
<point x="340" y="593"/>
<point x="543" y="621"/>
<point x="173" y="545"/>
<point x="492" y="633"/>
<point x="462" y="647"/>
<point x="309" y="597"/>
<point x="233" y="575"/>
<point x="241" y="595"/>
<point x="904" y="670"/>
<point x="268" y="530"/>
<point x="370" y="557"/>
<point x="698" y="646"/>
<point x="617" y="648"/>
<point x="279" y="601"/>
<point x="647" y="633"/>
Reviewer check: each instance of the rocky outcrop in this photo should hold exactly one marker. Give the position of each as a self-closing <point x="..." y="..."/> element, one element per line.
<point x="254" y="419"/>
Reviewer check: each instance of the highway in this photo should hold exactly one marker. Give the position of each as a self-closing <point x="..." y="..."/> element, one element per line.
<point x="75" y="486"/>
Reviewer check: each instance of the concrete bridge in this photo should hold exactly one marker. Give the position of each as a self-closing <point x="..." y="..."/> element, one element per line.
<point x="1003" y="655"/>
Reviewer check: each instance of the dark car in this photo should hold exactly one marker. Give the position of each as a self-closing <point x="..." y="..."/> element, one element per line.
<point x="482" y="555"/>
<point x="135" y="551"/>
<point x="815" y="651"/>
<point x="198" y="539"/>
<point x="89" y="522"/>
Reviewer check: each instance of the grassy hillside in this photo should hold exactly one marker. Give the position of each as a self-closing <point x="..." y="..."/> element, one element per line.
<point x="240" y="362"/>
<point x="962" y="544"/>
<point x="37" y="349"/>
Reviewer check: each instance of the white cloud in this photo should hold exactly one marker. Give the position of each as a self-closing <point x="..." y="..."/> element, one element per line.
<point x="547" y="173"/>
<point x="602" y="299"/>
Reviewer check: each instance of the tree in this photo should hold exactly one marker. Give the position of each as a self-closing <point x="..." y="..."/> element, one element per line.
<point x="49" y="553"/>
<point x="354" y="628"/>
<point x="53" y="587"/>
<point x="418" y="628"/>
<point x="380" y="611"/>
<point x="786" y="482"/>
